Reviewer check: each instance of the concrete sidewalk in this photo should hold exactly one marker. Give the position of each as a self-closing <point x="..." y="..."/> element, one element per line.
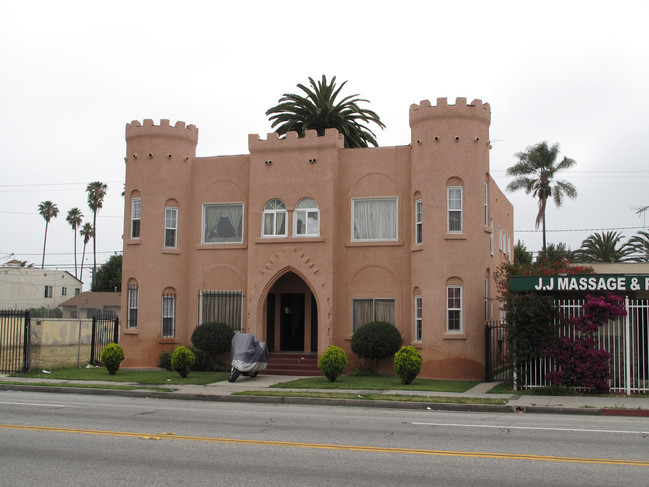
<point x="223" y="391"/>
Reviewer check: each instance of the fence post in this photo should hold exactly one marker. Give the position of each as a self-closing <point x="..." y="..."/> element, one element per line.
<point x="92" y="341"/>
<point x="27" y="340"/>
<point x="487" y="353"/>
<point x="627" y="347"/>
<point x="116" y="330"/>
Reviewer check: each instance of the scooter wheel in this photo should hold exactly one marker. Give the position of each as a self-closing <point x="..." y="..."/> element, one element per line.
<point x="234" y="374"/>
<point x="253" y="374"/>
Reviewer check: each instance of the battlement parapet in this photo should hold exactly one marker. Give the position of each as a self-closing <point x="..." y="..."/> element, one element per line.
<point x="311" y="140"/>
<point x="148" y="129"/>
<point x="475" y="110"/>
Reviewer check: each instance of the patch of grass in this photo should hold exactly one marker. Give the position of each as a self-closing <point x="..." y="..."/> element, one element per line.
<point x="374" y="397"/>
<point x="378" y="383"/>
<point x="82" y="385"/>
<point x="163" y="377"/>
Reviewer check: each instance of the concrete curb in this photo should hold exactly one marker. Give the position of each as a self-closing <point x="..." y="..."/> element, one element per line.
<point x="309" y="401"/>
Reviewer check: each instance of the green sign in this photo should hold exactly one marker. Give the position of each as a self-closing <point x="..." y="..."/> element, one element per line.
<point x="580" y="282"/>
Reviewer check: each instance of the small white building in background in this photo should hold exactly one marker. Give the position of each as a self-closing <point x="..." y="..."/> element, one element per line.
<point x="29" y="287"/>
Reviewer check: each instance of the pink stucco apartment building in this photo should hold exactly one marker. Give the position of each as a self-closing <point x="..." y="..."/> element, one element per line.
<point x="302" y="241"/>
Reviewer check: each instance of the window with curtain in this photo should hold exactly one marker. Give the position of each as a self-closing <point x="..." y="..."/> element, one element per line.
<point x="454" y="309"/>
<point x="171" y="226"/>
<point x="306" y="218"/>
<point x="368" y="310"/>
<point x="374" y="219"/>
<point x="223" y="223"/>
<point x="454" y="205"/>
<point x="486" y="203"/>
<point x="136" y="214"/>
<point x="132" y="306"/>
<point x="168" y="315"/>
<point x="223" y="307"/>
<point x="274" y="220"/>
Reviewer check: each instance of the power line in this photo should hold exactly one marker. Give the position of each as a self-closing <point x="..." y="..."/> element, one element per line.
<point x="578" y="230"/>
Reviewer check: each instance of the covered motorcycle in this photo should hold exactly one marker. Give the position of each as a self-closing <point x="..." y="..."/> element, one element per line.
<point x="249" y="356"/>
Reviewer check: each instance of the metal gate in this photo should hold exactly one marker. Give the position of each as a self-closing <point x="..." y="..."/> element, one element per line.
<point x="497" y="365"/>
<point x="105" y="330"/>
<point x="15" y="341"/>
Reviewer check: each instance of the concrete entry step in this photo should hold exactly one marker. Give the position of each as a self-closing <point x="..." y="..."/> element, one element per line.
<point x="292" y="363"/>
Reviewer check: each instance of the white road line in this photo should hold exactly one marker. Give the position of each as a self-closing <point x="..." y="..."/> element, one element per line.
<point x="36" y="404"/>
<point x="570" y="430"/>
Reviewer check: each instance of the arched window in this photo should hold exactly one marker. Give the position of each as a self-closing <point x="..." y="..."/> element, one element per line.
<point x="306" y="218"/>
<point x="132" y="304"/>
<point x="168" y="313"/>
<point x="274" y="221"/>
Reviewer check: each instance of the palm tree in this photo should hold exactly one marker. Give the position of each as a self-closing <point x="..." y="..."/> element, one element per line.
<point x="535" y="171"/>
<point x="48" y="210"/>
<point x="74" y="218"/>
<point x="640" y="244"/>
<point x="87" y="232"/>
<point x="96" y="193"/>
<point x="319" y="111"/>
<point x="604" y="247"/>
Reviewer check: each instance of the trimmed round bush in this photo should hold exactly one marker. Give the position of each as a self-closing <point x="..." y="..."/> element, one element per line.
<point x="164" y="361"/>
<point x="213" y="338"/>
<point x="375" y="341"/>
<point x="182" y="360"/>
<point x="111" y="356"/>
<point x="407" y="363"/>
<point x="333" y="362"/>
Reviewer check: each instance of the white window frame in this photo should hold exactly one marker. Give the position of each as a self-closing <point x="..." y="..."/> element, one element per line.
<point x="64" y="291"/>
<point x="486" y="203"/>
<point x="419" y="224"/>
<point x="389" y="234"/>
<point x="308" y="214"/>
<point x="136" y="218"/>
<point x="132" y="305"/>
<point x="486" y="298"/>
<point x="169" y="314"/>
<point x="491" y="236"/>
<point x="48" y="292"/>
<point x="237" y="239"/>
<point x="500" y="238"/>
<point x="373" y="317"/>
<point x="455" y="311"/>
<point x="509" y="247"/>
<point x="273" y="209"/>
<point x="171" y="226"/>
<point x="450" y="210"/>
<point x="419" y="322"/>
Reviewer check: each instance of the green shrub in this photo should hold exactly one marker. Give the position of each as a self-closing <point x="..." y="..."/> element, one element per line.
<point x="407" y="363"/>
<point x="213" y="338"/>
<point x="182" y="360"/>
<point x="206" y="363"/>
<point x="377" y="340"/>
<point x="111" y="356"/>
<point x="164" y="361"/>
<point x="333" y="362"/>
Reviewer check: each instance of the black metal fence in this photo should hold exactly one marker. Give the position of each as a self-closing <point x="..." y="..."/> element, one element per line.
<point x="497" y="366"/>
<point x="105" y="330"/>
<point x="15" y="337"/>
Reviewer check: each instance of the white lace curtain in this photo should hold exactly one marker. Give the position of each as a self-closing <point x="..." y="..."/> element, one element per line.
<point x="375" y="219"/>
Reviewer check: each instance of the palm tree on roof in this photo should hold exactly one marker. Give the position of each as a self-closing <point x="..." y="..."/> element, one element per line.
<point x="319" y="110"/>
<point x="535" y="173"/>
<point x="640" y="244"/>
<point x="74" y="219"/>
<point x="47" y="210"/>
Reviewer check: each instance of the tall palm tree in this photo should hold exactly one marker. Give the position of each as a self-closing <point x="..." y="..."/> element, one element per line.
<point x="640" y="244"/>
<point x="48" y="210"/>
<point x="604" y="247"/>
<point x="319" y="111"/>
<point x="96" y="193"/>
<point x="87" y="232"/>
<point x="74" y="219"/>
<point x="535" y="173"/>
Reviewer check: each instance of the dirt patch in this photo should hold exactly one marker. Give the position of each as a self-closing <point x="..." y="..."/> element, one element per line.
<point x="50" y="357"/>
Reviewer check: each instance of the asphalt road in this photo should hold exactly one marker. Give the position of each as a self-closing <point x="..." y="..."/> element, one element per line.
<point x="68" y="439"/>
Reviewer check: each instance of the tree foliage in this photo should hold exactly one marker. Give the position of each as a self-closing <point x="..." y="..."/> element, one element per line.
<point x="47" y="210"/>
<point x="74" y="218"/>
<point x="96" y="194"/>
<point x="407" y="363"/>
<point x="535" y="173"/>
<point x="640" y="245"/>
<point x="87" y="232"/>
<point x="605" y="247"/>
<point x="319" y="110"/>
<point x="375" y="341"/>
<point x="109" y="276"/>
<point x="554" y="253"/>
<point x="333" y="362"/>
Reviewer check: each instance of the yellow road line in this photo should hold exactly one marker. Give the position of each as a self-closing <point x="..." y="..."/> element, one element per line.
<point x="173" y="436"/>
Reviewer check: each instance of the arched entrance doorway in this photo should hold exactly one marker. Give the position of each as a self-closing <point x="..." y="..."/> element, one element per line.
<point x="291" y="316"/>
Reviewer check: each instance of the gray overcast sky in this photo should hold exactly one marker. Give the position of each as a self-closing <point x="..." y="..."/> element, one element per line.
<point x="72" y="74"/>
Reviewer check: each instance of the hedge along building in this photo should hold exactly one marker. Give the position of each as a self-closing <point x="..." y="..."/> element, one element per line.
<point x="302" y="241"/>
